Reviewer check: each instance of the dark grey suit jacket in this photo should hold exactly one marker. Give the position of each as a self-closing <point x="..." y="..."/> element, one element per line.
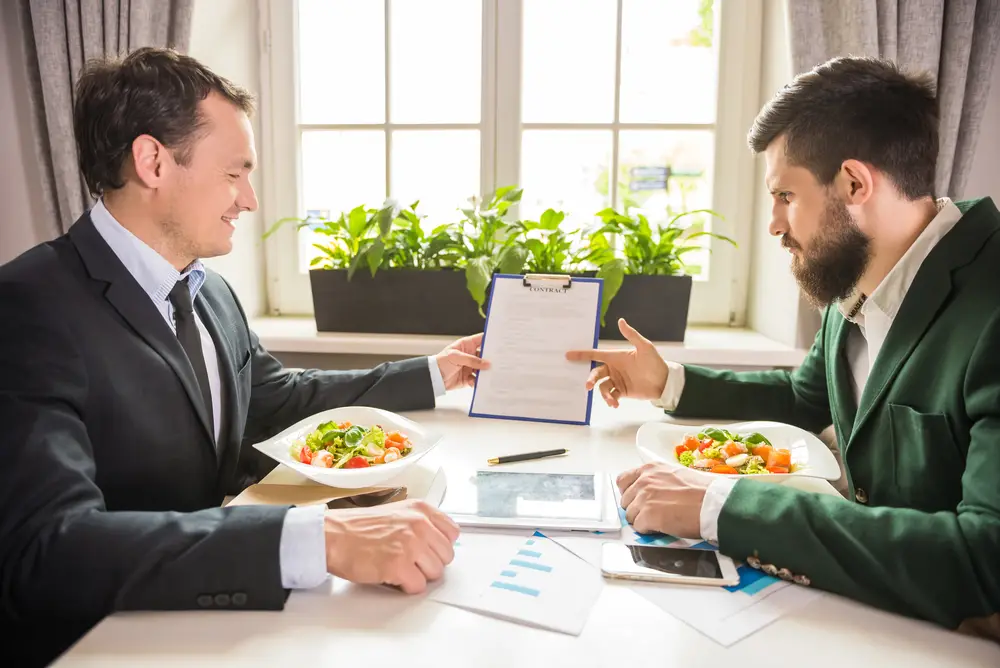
<point x="110" y="478"/>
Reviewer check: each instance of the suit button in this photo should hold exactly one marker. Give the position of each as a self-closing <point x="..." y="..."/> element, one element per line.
<point x="239" y="599"/>
<point x="204" y="601"/>
<point x="222" y="600"/>
<point x="861" y="495"/>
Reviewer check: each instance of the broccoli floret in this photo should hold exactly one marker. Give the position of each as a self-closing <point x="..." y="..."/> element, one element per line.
<point x="753" y="466"/>
<point x="714" y="452"/>
<point x="686" y="458"/>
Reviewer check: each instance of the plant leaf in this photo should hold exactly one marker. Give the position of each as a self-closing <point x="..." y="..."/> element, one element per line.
<point x="613" y="273"/>
<point x="511" y="260"/>
<point x="374" y="255"/>
<point x="478" y="274"/>
<point x="551" y="219"/>
<point x="356" y="221"/>
<point x="385" y="217"/>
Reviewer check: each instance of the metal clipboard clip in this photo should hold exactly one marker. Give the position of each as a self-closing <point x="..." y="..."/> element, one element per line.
<point x="565" y="280"/>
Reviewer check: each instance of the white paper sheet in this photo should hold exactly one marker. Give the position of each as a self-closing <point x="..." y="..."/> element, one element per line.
<point x="530" y="329"/>
<point x="526" y="579"/>
<point x="725" y="614"/>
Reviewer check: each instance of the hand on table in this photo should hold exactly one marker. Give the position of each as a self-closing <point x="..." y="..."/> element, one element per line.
<point x="460" y="361"/>
<point x="406" y="544"/>
<point x="639" y="373"/>
<point x="657" y="497"/>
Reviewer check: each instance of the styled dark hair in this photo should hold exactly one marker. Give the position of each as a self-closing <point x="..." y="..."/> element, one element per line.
<point x="856" y="108"/>
<point x="151" y="91"/>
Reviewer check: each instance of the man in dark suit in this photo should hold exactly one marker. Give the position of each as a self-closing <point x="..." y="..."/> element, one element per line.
<point x="129" y="378"/>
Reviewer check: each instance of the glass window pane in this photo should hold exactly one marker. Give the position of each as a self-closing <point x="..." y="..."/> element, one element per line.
<point x="669" y="71"/>
<point x="438" y="167"/>
<point x="569" y="61"/>
<point x="436" y="61"/>
<point x="340" y="170"/>
<point x="341" y="61"/>
<point x="565" y="170"/>
<point x="662" y="173"/>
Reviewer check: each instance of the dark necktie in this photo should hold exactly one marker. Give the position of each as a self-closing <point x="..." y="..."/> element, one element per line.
<point x="190" y="339"/>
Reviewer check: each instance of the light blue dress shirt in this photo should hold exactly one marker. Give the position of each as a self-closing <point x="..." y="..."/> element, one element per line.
<point x="302" y="549"/>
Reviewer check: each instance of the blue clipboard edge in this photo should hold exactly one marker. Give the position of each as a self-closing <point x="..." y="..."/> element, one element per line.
<point x="482" y="347"/>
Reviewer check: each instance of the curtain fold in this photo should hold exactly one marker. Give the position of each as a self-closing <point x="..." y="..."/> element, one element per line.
<point x="60" y="37"/>
<point x="954" y="40"/>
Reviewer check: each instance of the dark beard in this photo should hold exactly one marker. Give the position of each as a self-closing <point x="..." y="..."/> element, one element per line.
<point x="836" y="258"/>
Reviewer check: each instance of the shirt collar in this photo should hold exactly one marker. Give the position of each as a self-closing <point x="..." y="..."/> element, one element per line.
<point x="889" y="294"/>
<point x="154" y="274"/>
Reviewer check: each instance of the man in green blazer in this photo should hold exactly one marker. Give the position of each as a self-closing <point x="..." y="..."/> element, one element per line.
<point x="906" y="365"/>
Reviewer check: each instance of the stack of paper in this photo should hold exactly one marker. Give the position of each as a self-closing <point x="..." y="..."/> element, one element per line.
<point x="725" y="614"/>
<point x="527" y="579"/>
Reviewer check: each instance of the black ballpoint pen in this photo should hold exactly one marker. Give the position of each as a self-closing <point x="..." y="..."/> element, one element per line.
<point x="526" y="456"/>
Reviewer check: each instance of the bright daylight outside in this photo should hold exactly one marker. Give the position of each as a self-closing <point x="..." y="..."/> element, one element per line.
<point x="406" y="118"/>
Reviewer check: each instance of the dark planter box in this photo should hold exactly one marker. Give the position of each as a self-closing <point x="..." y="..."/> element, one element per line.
<point x="394" y="301"/>
<point x="412" y="301"/>
<point x="657" y="306"/>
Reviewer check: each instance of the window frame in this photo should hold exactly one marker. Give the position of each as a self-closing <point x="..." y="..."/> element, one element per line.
<point x="720" y="300"/>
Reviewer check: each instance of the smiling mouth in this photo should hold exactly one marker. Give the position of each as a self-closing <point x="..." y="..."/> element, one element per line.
<point x="230" y="221"/>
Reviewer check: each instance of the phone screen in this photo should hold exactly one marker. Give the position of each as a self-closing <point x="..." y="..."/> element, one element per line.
<point x="677" y="561"/>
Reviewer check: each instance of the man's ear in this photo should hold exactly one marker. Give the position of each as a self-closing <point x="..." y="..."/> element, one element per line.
<point x="855" y="182"/>
<point x="149" y="158"/>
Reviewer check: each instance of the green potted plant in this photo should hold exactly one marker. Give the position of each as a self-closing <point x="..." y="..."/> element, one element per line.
<point x="648" y="281"/>
<point x="379" y="271"/>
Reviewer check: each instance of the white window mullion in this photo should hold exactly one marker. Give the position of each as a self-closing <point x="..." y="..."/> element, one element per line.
<point x="613" y="172"/>
<point x="488" y="117"/>
<point x="508" y="92"/>
<point x="388" y="117"/>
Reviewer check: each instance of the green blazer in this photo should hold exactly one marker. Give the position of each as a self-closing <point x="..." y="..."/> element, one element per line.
<point x="920" y="534"/>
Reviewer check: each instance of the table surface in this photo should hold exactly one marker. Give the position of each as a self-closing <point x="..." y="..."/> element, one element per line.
<point x="341" y="624"/>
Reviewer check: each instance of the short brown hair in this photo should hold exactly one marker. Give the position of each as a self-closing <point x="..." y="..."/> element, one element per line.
<point x="149" y="92"/>
<point x="865" y="109"/>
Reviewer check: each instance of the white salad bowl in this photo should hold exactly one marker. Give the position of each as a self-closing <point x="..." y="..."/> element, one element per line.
<point x="656" y="442"/>
<point x="422" y="441"/>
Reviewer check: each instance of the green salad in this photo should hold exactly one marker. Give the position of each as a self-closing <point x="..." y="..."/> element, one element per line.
<point x="345" y="445"/>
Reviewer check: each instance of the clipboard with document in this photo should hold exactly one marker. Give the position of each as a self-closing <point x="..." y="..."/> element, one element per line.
<point x="532" y="321"/>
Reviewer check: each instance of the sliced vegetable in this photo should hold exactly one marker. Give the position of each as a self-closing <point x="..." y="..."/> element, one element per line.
<point x="722" y="468"/>
<point x="732" y="448"/>
<point x="777" y="469"/>
<point x="305" y="454"/>
<point x="680" y="450"/>
<point x="357" y="463"/>
<point x="782" y="458"/>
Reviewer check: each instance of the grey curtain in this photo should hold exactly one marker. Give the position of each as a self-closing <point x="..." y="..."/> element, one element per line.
<point x="60" y="37"/>
<point x="955" y="40"/>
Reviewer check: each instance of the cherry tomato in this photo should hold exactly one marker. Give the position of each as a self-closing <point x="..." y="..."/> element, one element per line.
<point x="680" y="449"/>
<point x="358" y="462"/>
<point x="305" y="455"/>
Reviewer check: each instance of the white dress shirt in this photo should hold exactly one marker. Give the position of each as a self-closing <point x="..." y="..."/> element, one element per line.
<point x="873" y="317"/>
<point x="302" y="549"/>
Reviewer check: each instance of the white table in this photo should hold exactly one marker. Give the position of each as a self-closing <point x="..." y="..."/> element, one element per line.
<point x="343" y="625"/>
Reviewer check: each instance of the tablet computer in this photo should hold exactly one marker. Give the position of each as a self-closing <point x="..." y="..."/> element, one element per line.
<point x="556" y="501"/>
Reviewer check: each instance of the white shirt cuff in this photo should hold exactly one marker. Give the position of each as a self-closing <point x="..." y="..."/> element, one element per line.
<point x="672" y="390"/>
<point x="437" y="380"/>
<point x="302" y="550"/>
<point x="711" y="506"/>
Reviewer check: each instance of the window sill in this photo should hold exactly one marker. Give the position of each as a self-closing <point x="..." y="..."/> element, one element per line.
<point x="716" y="346"/>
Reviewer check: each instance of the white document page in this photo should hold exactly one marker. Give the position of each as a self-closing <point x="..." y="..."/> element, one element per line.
<point x="525" y="579"/>
<point x="529" y="331"/>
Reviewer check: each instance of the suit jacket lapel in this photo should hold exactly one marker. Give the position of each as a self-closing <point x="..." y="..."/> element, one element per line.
<point x="137" y="309"/>
<point x="923" y="301"/>
<point x="844" y="407"/>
